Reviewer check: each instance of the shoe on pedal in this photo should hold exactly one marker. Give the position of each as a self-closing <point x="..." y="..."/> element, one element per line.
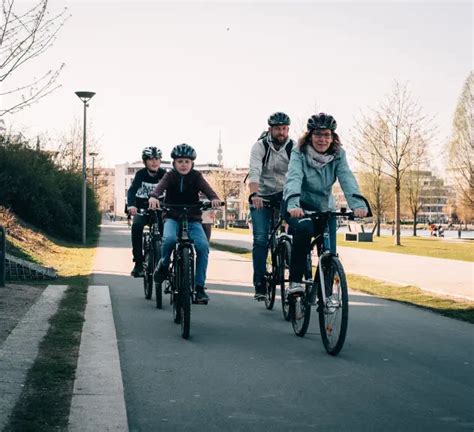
<point x="201" y="295"/>
<point x="161" y="273"/>
<point x="296" y="288"/>
<point x="137" y="270"/>
<point x="260" y="291"/>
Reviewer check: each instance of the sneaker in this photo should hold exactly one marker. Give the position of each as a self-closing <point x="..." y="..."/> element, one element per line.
<point x="201" y="295"/>
<point x="137" y="270"/>
<point x="296" y="288"/>
<point x="260" y="291"/>
<point x="161" y="273"/>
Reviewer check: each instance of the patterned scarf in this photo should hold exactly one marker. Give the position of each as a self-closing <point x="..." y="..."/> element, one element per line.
<point x="317" y="160"/>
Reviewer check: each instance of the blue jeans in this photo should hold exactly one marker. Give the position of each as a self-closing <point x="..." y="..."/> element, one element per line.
<point x="261" y="224"/>
<point x="196" y="233"/>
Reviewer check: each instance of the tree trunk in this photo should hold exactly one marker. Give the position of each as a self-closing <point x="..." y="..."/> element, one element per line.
<point x="397" y="211"/>
<point x="415" y="215"/>
<point x="225" y="214"/>
<point x="379" y="221"/>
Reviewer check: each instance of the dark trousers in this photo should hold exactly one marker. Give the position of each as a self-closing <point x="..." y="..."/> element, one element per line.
<point x="303" y="230"/>
<point x="139" y="222"/>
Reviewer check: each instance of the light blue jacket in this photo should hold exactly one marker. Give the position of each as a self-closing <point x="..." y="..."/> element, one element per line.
<point x="315" y="184"/>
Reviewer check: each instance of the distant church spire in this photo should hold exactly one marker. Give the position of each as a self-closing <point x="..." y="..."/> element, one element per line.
<point x="219" y="151"/>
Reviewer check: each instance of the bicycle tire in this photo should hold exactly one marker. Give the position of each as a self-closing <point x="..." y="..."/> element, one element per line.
<point x="148" y="275"/>
<point x="158" y="286"/>
<point x="300" y="306"/>
<point x="175" y="288"/>
<point x="270" y="282"/>
<point x="284" y="252"/>
<point x="185" y="292"/>
<point x="333" y="321"/>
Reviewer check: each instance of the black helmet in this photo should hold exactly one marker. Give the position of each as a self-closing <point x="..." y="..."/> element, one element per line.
<point x="278" y="118"/>
<point x="321" y="121"/>
<point x="151" y="152"/>
<point x="183" y="151"/>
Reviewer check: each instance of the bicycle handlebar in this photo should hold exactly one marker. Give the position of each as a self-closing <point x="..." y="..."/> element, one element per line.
<point x="342" y="212"/>
<point x="202" y="205"/>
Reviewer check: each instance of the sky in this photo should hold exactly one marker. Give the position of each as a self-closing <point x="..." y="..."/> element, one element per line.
<point x="171" y="72"/>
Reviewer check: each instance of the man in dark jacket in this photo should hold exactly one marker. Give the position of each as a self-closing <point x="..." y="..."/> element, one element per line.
<point x="143" y="184"/>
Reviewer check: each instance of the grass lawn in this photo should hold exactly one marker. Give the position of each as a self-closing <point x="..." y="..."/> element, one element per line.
<point x="45" y="400"/>
<point x="450" y="307"/>
<point x="423" y="246"/>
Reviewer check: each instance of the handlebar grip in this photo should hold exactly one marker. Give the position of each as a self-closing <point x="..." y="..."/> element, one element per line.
<point x="369" y="210"/>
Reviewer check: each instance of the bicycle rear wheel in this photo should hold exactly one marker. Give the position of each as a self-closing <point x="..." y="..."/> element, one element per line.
<point x="334" y="315"/>
<point x="284" y="254"/>
<point x="185" y="289"/>
<point x="300" y="313"/>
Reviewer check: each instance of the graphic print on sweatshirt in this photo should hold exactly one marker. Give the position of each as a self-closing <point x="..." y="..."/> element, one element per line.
<point x="145" y="190"/>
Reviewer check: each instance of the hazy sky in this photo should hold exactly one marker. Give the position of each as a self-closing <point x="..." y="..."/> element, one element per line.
<point x="167" y="73"/>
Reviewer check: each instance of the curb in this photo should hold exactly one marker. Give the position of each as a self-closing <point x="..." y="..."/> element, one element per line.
<point x="98" y="402"/>
<point x="19" y="351"/>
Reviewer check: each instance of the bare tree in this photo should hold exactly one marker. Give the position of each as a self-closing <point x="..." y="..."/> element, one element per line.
<point x="374" y="186"/>
<point x="413" y="193"/>
<point x="69" y="147"/>
<point x="461" y="150"/>
<point x="396" y="134"/>
<point x="226" y="185"/>
<point x="24" y="35"/>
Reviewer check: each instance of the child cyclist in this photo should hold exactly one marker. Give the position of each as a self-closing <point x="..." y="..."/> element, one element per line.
<point x="137" y="198"/>
<point x="182" y="186"/>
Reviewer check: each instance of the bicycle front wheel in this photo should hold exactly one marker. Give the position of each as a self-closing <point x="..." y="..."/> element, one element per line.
<point x="158" y="286"/>
<point x="270" y="282"/>
<point x="148" y="275"/>
<point x="334" y="315"/>
<point x="284" y="253"/>
<point x="185" y="287"/>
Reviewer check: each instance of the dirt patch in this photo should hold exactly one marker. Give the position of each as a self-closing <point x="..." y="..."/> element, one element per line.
<point x="15" y="301"/>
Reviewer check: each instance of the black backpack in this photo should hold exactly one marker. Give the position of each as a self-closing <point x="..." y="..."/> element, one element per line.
<point x="263" y="136"/>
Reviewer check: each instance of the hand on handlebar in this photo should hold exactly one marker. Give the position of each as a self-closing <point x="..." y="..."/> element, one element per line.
<point x="153" y="203"/>
<point x="257" y="202"/>
<point x="216" y="203"/>
<point x="296" y="212"/>
<point x="132" y="211"/>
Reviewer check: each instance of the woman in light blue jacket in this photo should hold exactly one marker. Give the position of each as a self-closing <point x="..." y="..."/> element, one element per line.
<point x="315" y="165"/>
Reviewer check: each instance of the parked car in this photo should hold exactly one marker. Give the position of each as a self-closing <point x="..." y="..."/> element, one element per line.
<point x="240" y="223"/>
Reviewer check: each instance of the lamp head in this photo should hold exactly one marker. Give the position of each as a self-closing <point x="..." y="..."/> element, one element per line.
<point x="84" y="96"/>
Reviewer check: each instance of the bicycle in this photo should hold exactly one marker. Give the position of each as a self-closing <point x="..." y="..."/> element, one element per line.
<point x="181" y="273"/>
<point x="279" y="248"/>
<point x="328" y="290"/>
<point x="151" y="253"/>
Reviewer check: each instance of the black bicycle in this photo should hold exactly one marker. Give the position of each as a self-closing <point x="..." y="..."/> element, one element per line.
<point x="151" y="253"/>
<point x="278" y="255"/>
<point x="328" y="290"/>
<point x="180" y="279"/>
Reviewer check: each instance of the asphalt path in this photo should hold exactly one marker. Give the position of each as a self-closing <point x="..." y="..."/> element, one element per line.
<point x="243" y="369"/>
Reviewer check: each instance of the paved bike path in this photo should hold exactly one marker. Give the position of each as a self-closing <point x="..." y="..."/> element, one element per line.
<point x="243" y="369"/>
<point x="437" y="275"/>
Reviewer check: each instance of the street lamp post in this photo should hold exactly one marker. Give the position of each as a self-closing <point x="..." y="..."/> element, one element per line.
<point x="93" y="155"/>
<point x="84" y="96"/>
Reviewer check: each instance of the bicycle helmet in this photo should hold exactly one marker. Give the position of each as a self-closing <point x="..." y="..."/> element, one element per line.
<point x="278" y="118"/>
<point x="321" y="121"/>
<point x="151" y="152"/>
<point x="183" y="151"/>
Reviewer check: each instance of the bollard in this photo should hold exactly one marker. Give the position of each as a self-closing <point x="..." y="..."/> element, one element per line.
<point x="3" y="247"/>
